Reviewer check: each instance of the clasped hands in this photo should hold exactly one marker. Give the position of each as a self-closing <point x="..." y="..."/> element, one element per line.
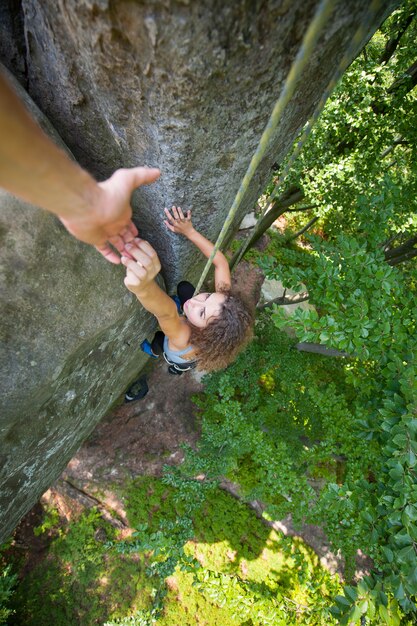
<point x="109" y="222"/>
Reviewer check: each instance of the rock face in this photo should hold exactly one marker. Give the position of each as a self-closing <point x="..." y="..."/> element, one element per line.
<point x="70" y="334"/>
<point x="187" y="86"/>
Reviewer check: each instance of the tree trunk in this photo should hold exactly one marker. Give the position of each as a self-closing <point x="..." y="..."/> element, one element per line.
<point x="303" y="230"/>
<point x="284" y="300"/>
<point x="317" y="348"/>
<point x="408" y="81"/>
<point x="407" y="256"/>
<point x="278" y="207"/>
<point x="403" y="252"/>
<point x="392" y="43"/>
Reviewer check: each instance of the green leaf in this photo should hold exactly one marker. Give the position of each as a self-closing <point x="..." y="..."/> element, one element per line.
<point x="400" y="440"/>
<point x="411" y="512"/>
<point x="355" y="614"/>
<point x="397" y="471"/>
<point x="351" y="593"/>
<point x="342" y="600"/>
<point x="367" y="517"/>
<point x="389" y="555"/>
<point x="399" y="593"/>
<point x="363" y="606"/>
<point x="384" y="614"/>
<point x="407" y="554"/>
<point x="403" y="539"/>
<point x="411" y="458"/>
<point x="335" y="611"/>
<point x="394" y="617"/>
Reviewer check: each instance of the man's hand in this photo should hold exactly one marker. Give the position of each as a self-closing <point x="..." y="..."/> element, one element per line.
<point x="109" y="220"/>
<point x="178" y="222"/>
<point x="34" y="169"/>
<point x="142" y="267"/>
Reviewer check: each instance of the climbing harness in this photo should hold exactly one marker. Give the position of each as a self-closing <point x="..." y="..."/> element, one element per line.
<point x="310" y="38"/>
<point x="179" y="368"/>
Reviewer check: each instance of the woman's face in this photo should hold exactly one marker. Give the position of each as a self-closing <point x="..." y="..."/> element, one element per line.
<point x="201" y="309"/>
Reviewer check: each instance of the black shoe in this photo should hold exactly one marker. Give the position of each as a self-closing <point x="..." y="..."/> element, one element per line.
<point x="173" y="370"/>
<point x="137" y="390"/>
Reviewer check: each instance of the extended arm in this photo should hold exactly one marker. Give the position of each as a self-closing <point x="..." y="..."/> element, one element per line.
<point x="177" y="222"/>
<point x="33" y="168"/>
<point x="141" y="272"/>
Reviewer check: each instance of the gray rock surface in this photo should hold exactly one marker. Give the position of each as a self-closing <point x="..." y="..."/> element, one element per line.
<point x="249" y="221"/>
<point x="70" y="334"/>
<point x="187" y="86"/>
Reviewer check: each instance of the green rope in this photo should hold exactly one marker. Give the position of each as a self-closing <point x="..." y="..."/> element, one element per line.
<point x="310" y="38"/>
<point x="358" y="37"/>
<point x="343" y="65"/>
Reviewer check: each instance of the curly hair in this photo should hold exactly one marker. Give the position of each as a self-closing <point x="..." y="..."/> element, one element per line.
<point x="218" y="344"/>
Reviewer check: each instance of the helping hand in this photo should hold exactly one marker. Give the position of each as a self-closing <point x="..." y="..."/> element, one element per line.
<point x="142" y="267"/>
<point x="178" y="222"/>
<point x="109" y="221"/>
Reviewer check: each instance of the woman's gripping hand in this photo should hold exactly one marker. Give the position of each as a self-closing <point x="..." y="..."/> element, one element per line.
<point x="142" y="268"/>
<point x="177" y="222"/>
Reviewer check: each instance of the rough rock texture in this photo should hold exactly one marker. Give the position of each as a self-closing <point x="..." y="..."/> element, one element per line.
<point x="70" y="333"/>
<point x="187" y="86"/>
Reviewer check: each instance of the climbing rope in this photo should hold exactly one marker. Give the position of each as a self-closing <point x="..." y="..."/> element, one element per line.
<point x="358" y="37"/>
<point x="343" y="65"/>
<point x="322" y="14"/>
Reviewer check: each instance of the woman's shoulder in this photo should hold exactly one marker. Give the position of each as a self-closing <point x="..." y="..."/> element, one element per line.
<point x="181" y="340"/>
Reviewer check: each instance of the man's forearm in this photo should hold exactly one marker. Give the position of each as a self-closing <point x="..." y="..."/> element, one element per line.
<point x="33" y="168"/>
<point x="205" y="246"/>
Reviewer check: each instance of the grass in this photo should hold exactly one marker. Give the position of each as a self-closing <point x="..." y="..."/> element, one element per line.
<point x="247" y="571"/>
<point x="79" y="581"/>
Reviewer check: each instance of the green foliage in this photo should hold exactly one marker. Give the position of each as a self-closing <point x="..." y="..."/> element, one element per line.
<point x="50" y="522"/>
<point x="78" y="581"/>
<point x="277" y="422"/>
<point x="344" y="158"/>
<point x="7" y="584"/>
<point x="359" y="168"/>
<point x="252" y="255"/>
<point x="198" y="554"/>
<point x="364" y="304"/>
<point x="142" y="617"/>
<point x="233" y="569"/>
<point x="274" y="423"/>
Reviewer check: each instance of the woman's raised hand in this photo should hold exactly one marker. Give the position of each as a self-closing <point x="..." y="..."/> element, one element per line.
<point x="142" y="268"/>
<point x="177" y="222"/>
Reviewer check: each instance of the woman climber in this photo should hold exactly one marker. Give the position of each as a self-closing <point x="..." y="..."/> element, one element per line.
<point x="214" y="326"/>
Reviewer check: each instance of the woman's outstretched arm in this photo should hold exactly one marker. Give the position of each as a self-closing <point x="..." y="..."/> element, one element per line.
<point x="179" y="223"/>
<point x="142" y="269"/>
